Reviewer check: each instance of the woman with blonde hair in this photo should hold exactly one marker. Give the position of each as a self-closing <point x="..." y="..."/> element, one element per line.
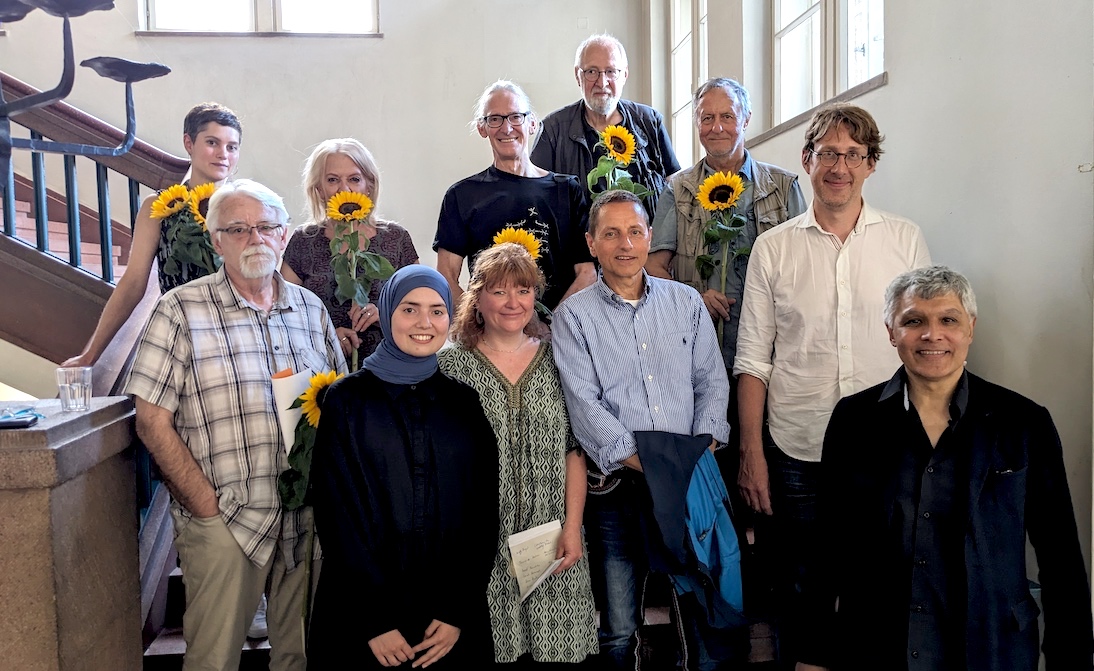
<point x="503" y="355"/>
<point x="343" y="165"/>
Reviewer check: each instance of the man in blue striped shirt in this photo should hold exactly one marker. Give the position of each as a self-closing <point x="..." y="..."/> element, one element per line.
<point x="635" y="353"/>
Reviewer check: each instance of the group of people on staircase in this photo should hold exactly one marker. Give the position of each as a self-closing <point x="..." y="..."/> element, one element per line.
<point x="893" y="521"/>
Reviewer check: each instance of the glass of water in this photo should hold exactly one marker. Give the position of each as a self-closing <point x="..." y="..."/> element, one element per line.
<point x="74" y="385"/>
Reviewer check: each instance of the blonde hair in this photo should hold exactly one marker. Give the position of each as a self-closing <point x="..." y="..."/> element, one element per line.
<point x="315" y="169"/>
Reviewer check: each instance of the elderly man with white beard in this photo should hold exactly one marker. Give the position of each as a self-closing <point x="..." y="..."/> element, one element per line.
<point x="201" y="379"/>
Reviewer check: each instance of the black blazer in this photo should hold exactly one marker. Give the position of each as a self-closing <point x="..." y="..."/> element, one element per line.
<point x="1017" y="486"/>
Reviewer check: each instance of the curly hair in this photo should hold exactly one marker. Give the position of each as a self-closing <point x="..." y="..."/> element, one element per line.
<point x="507" y="263"/>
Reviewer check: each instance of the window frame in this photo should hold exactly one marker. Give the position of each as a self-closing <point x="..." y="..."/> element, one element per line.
<point x="266" y="21"/>
<point x="831" y="53"/>
<point x="693" y="46"/>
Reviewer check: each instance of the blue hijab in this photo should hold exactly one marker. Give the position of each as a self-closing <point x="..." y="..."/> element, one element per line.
<point x="388" y="362"/>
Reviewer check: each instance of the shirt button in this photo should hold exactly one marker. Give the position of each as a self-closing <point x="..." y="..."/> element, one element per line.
<point x="926" y="516"/>
<point x="842" y="282"/>
<point x="915" y="654"/>
<point x="930" y="469"/>
<point x="656" y="409"/>
<point x="921" y="562"/>
<point x="917" y="609"/>
<point x="643" y="345"/>
<point x="649" y="377"/>
<point x="843" y="314"/>
<point x="843" y="346"/>
<point x="277" y="348"/>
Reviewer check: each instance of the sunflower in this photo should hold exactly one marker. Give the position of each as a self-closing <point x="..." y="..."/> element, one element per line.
<point x="171" y="200"/>
<point x="720" y="191"/>
<point x="348" y="206"/>
<point x="521" y="237"/>
<point x="619" y="142"/>
<point x="199" y="202"/>
<point x="309" y="404"/>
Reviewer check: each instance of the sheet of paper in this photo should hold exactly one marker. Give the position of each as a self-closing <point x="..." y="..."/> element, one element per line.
<point x="533" y="552"/>
<point x="286" y="390"/>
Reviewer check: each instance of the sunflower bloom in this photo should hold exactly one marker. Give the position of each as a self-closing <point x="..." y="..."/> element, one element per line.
<point x="720" y="191"/>
<point x="199" y="202"/>
<point x="521" y="237"/>
<point x="308" y="404"/>
<point x="348" y="206"/>
<point x="619" y="143"/>
<point x="171" y="200"/>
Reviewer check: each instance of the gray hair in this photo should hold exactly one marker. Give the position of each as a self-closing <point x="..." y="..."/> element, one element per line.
<point x="927" y="283"/>
<point x="500" y="85"/>
<point x="250" y="189"/>
<point x="604" y="40"/>
<point x="733" y="89"/>
<point x="614" y="196"/>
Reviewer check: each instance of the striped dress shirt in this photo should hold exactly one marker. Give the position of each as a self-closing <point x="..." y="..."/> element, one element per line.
<point x="207" y="355"/>
<point x="651" y="367"/>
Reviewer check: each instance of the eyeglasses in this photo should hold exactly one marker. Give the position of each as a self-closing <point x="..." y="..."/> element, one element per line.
<point x="593" y="74"/>
<point x="853" y="159"/>
<point x="241" y="232"/>
<point x="496" y="120"/>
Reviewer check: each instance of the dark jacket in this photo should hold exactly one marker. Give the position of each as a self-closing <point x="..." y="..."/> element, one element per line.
<point x="562" y="146"/>
<point x="1017" y="486"/>
<point x="695" y="542"/>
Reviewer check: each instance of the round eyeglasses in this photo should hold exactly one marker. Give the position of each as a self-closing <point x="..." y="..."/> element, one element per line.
<point x="593" y="74"/>
<point x="852" y="159"/>
<point x="496" y="120"/>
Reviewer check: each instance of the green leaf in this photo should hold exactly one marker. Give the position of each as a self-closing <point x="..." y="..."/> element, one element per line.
<point x="374" y="267"/>
<point x="705" y="265"/>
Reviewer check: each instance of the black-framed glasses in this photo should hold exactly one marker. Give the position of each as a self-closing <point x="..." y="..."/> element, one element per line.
<point x="496" y="120"/>
<point x="241" y="232"/>
<point x="593" y="74"/>
<point x="853" y="159"/>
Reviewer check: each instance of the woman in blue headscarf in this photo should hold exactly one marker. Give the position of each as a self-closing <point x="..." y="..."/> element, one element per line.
<point x="405" y="493"/>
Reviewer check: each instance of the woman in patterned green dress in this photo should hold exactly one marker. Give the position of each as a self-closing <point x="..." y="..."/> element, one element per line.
<point x="502" y="355"/>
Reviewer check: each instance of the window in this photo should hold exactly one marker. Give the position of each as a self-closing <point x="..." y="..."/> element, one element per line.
<point x="265" y="16"/>
<point x="689" y="68"/>
<point x="822" y="48"/>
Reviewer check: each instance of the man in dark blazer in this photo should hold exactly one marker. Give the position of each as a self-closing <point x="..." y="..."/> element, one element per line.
<point x="931" y="483"/>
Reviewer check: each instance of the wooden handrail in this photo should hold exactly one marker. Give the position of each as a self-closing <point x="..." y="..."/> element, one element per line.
<point x="62" y="122"/>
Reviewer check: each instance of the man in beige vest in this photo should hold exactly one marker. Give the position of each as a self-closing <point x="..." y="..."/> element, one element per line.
<point x="772" y="195"/>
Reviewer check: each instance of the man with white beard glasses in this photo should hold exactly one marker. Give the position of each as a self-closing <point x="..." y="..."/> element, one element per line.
<point x="201" y="379"/>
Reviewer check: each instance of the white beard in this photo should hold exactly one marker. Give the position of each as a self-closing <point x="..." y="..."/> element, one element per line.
<point x="257" y="262"/>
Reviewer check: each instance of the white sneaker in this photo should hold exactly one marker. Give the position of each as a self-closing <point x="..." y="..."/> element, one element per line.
<point x="258" y="628"/>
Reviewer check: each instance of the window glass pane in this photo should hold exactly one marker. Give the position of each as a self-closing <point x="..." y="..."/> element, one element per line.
<point x="800" y="69"/>
<point x="328" y="16"/>
<point x="227" y="16"/>
<point x="788" y="10"/>
<point x="683" y="135"/>
<point x="865" y="40"/>
<point x="683" y="20"/>
<point x="682" y="78"/>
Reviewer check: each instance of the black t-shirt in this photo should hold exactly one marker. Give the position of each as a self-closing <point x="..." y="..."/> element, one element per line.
<point x="554" y="208"/>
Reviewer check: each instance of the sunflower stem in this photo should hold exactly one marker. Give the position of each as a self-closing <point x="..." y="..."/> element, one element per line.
<point x="725" y="254"/>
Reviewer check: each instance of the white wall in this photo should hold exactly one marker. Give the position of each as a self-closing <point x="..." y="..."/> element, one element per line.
<point x="407" y="96"/>
<point x="989" y="112"/>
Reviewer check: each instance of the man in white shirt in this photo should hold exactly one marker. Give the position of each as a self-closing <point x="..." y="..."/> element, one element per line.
<point x="810" y="334"/>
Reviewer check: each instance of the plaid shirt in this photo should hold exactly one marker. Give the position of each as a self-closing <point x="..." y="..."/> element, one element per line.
<point x="207" y="355"/>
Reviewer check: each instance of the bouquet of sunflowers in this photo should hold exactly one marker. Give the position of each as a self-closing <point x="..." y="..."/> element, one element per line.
<point x="190" y="251"/>
<point x="619" y="146"/>
<point x="718" y="194"/>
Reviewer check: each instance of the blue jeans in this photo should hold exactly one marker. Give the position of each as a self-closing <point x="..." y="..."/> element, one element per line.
<point x="790" y="538"/>
<point x="615" y="531"/>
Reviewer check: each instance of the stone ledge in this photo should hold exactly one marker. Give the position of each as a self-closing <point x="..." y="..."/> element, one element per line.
<point x="64" y="445"/>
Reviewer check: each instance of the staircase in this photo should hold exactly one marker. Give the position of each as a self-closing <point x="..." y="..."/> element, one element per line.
<point x="91" y="253"/>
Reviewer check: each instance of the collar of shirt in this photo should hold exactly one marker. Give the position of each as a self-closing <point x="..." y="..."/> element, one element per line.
<point x="610" y="296"/>
<point x="867" y="216"/>
<point x="231" y="299"/>
<point x="959" y="402"/>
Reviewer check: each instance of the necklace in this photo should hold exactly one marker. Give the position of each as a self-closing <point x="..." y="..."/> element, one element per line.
<point x="505" y="351"/>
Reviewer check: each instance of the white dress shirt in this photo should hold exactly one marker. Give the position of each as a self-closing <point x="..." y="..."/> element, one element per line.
<point x="811" y="324"/>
